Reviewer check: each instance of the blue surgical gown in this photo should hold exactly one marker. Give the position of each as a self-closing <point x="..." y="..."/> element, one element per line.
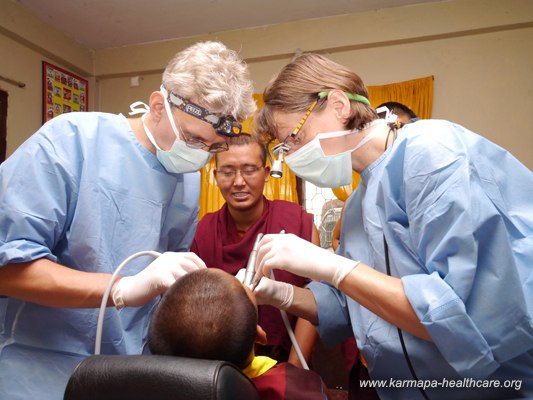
<point x="456" y="211"/>
<point x="85" y="193"/>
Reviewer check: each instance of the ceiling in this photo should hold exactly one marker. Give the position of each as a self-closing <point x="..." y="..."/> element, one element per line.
<point x="101" y="24"/>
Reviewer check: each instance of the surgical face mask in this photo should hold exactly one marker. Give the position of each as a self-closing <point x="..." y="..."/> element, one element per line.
<point x="310" y="162"/>
<point x="180" y="158"/>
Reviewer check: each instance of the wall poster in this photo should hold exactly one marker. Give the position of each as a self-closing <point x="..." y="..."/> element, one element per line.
<point x="62" y="92"/>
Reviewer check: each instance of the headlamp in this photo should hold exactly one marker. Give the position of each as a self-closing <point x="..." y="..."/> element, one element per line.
<point x="277" y="166"/>
<point x="225" y="126"/>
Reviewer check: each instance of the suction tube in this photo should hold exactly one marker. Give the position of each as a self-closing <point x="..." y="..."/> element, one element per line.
<point x="103" y="306"/>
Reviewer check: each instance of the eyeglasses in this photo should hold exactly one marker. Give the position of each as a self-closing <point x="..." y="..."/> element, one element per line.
<point x="231" y="174"/>
<point x="195" y="143"/>
<point x="292" y="139"/>
<point x="225" y="125"/>
<point x="198" y="144"/>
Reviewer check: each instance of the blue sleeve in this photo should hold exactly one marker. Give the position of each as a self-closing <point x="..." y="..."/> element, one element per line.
<point x="191" y="198"/>
<point x="36" y="190"/>
<point x="471" y="299"/>
<point x="334" y="324"/>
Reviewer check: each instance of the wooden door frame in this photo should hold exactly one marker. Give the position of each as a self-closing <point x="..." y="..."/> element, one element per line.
<point x="3" y="125"/>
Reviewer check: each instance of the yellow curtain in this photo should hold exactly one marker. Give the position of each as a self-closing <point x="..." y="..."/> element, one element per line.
<point x="343" y="192"/>
<point x="417" y="94"/>
<point x="283" y="188"/>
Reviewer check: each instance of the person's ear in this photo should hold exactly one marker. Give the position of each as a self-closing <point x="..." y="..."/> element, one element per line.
<point x="267" y="173"/>
<point x="215" y="175"/>
<point x="339" y="104"/>
<point x="260" y="336"/>
<point x="157" y="105"/>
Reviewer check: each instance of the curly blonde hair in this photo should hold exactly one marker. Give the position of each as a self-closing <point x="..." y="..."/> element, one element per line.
<point x="215" y="76"/>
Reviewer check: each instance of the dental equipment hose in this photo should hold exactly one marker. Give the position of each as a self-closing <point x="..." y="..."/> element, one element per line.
<point x="103" y="306"/>
<point x="249" y="281"/>
<point x="291" y="334"/>
<point x="289" y="328"/>
<point x="155" y="254"/>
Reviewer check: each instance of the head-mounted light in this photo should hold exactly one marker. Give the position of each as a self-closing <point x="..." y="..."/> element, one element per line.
<point x="277" y="165"/>
<point x="226" y="125"/>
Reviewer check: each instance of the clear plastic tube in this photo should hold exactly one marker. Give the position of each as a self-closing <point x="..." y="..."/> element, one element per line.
<point x="103" y="306"/>
<point x="291" y="334"/>
<point x="155" y="254"/>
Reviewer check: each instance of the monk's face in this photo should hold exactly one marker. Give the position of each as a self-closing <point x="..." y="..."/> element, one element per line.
<point x="241" y="176"/>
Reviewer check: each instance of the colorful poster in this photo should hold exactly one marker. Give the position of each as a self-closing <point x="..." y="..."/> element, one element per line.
<point x="62" y="92"/>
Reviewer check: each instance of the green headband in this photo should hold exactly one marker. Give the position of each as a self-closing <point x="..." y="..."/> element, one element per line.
<point x="351" y="96"/>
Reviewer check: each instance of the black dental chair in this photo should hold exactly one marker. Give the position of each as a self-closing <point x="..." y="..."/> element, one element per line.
<point x="136" y="377"/>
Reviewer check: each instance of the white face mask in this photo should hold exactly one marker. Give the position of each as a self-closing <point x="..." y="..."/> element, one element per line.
<point x="180" y="158"/>
<point x="310" y="162"/>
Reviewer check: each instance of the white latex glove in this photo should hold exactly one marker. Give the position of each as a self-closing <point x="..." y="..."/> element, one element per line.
<point x="137" y="290"/>
<point x="274" y="293"/>
<point x="268" y="291"/>
<point x="291" y="253"/>
<point x="241" y="274"/>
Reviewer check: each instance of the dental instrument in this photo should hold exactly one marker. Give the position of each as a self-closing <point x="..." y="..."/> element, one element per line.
<point x="250" y="267"/>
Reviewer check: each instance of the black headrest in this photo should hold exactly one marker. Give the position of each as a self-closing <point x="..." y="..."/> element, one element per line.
<point x="135" y="377"/>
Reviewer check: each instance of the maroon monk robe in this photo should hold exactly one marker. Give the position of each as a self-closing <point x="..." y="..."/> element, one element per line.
<point x="218" y="243"/>
<point x="287" y="382"/>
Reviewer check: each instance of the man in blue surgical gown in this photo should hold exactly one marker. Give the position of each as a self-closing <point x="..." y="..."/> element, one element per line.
<point x="87" y="191"/>
<point x="434" y="273"/>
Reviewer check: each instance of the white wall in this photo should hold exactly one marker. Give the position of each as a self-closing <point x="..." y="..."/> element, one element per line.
<point x="25" y="42"/>
<point x="479" y="52"/>
<point x="484" y="82"/>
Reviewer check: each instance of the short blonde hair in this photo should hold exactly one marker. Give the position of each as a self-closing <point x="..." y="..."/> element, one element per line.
<point x="215" y="76"/>
<point x="297" y="86"/>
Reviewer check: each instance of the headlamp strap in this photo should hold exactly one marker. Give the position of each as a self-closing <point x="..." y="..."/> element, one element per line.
<point x="351" y="96"/>
<point x="225" y="125"/>
<point x="193" y="109"/>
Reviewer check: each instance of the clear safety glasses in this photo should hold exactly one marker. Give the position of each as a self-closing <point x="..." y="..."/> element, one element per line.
<point x="229" y="175"/>
<point x="196" y="143"/>
<point x="293" y="139"/>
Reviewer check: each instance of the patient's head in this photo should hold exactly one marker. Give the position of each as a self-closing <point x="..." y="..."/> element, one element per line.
<point x="206" y="314"/>
<point x="404" y="113"/>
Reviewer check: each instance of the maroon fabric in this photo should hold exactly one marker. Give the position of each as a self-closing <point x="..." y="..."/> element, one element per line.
<point x="356" y="391"/>
<point x="350" y="351"/>
<point x="287" y="382"/>
<point x="217" y="242"/>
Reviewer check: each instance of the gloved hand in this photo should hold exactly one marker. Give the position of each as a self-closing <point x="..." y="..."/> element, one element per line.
<point x="241" y="274"/>
<point x="268" y="291"/>
<point x="243" y="278"/>
<point x="137" y="290"/>
<point x="274" y="293"/>
<point x="291" y="253"/>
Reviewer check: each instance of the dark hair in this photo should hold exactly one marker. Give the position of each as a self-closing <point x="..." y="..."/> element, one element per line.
<point x="205" y="314"/>
<point x="243" y="139"/>
<point x="398" y="109"/>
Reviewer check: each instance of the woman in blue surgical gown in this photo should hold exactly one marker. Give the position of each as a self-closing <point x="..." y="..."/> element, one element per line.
<point x="89" y="190"/>
<point x="434" y="273"/>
